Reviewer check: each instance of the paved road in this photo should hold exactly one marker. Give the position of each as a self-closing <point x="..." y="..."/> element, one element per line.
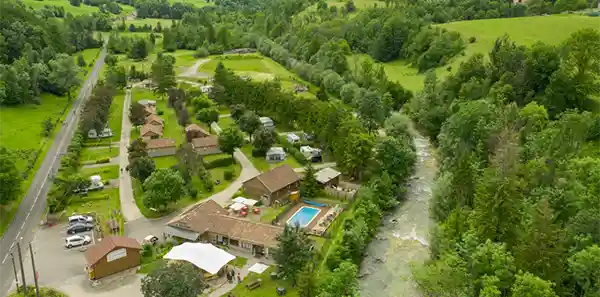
<point x="28" y="215"/>
<point x="128" y="207"/>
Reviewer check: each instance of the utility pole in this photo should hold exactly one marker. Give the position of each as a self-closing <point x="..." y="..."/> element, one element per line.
<point x="35" y="274"/>
<point x="22" y="270"/>
<point x="15" y="270"/>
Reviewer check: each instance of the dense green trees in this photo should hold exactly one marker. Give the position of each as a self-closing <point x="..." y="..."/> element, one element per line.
<point x="230" y="139"/>
<point x="180" y="279"/>
<point x="512" y="199"/>
<point x="163" y="187"/>
<point x="10" y="177"/>
<point x="293" y="251"/>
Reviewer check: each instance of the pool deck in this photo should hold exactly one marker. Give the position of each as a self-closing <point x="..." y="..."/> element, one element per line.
<point x="296" y="207"/>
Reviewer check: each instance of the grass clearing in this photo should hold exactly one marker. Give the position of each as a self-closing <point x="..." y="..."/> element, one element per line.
<point x="166" y="162"/>
<point x="92" y="154"/>
<point x="226" y="122"/>
<point x="262" y="165"/>
<point x="106" y="172"/>
<point x="526" y="31"/>
<point x="74" y="10"/>
<point x="197" y="3"/>
<point x="267" y="288"/>
<point x="115" y="117"/>
<point x="103" y="203"/>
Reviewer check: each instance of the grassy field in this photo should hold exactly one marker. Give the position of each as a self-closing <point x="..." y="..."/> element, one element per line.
<point x="360" y="4"/>
<point x="21" y="128"/>
<point x="168" y="161"/>
<point x="524" y="31"/>
<point x="258" y="68"/>
<point x="262" y="165"/>
<point x="105" y="172"/>
<point x="89" y="154"/>
<point x="197" y="3"/>
<point x="267" y="288"/>
<point x="82" y="9"/>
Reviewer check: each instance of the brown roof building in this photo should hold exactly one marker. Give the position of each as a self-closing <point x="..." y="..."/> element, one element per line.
<point x="161" y="147"/>
<point x="205" y="146"/>
<point x="113" y="254"/>
<point x="210" y="222"/>
<point x="151" y="132"/>
<point x="149" y="110"/>
<point x="274" y="185"/>
<point x="194" y="131"/>
<point x="154" y="120"/>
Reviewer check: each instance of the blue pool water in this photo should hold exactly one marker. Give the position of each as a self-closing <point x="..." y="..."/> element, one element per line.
<point x="304" y="216"/>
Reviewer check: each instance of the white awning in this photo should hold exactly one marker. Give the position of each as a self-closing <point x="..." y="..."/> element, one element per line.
<point x="177" y="232"/>
<point x="258" y="268"/>
<point x="246" y="201"/>
<point x="204" y="255"/>
<point x="237" y="206"/>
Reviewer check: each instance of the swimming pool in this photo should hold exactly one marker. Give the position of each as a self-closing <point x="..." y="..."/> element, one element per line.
<point x="304" y="216"/>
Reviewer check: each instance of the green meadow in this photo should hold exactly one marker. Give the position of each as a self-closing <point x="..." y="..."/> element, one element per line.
<point x="74" y="10"/>
<point x="524" y="31"/>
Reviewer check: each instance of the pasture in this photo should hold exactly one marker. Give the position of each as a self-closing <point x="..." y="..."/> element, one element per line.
<point x="74" y="10"/>
<point x="524" y="31"/>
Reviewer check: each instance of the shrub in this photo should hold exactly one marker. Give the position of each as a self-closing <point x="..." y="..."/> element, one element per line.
<point x="160" y="112"/>
<point x="257" y="153"/>
<point x="103" y="160"/>
<point x="228" y="175"/>
<point x="472" y="39"/>
<point x="223" y="162"/>
<point x="147" y="250"/>
<point x="201" y="52"/>
<point x="193" y="192"/>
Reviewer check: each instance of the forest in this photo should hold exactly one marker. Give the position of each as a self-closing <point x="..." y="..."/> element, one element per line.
<point x="516" y="203"/>
<point x="35" y="54"/>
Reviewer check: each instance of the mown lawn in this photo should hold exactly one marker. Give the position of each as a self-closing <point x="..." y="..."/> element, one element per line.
<point x="226" y="122"/>
<point x="115" y="118"/>
<point x="100" y="202"/>
<point x="168" y="161"/>
<point x="262" y="165"/>
<point x="91" y="154"/>
<point x="106" y="172"/>
<point x="524" y="31"/>
<point x="267" y="288"/>
<point x="74" y="10"/>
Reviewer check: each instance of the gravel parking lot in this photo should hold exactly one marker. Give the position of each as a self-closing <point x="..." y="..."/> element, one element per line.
<point x="53" y="261"/>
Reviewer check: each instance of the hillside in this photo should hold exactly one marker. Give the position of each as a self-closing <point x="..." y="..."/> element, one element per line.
<point x="82" y="9"/>
<point x="526" y="31"/>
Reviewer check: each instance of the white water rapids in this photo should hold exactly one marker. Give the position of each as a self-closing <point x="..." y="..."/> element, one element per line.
<point x="403" y="239"/>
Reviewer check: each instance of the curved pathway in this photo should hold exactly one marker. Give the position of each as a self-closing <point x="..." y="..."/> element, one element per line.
<point x="129" y="209"/>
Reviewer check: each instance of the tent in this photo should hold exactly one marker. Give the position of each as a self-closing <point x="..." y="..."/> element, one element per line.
<point x="204" y="255"/>
<point x="258" y="268"/>
<point x="245" y="201"/>
<point x="237" y="206"/>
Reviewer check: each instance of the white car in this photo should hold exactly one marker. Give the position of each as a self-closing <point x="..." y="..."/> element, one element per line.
<point x="77" y="240"/>
<point x="74" y="219"/>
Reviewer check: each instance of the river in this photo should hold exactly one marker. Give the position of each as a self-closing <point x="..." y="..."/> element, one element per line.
<point x="403" y="239"/>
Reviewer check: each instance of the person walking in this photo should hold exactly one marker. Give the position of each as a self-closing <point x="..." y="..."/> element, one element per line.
<point x="239" y="278"/>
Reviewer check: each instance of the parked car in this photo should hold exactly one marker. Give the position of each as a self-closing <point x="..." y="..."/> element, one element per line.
<point x="79" y="227"/>
<point x="77" y="240"/>
<point x="74" y="219"/>
<point x="150" y="239"/>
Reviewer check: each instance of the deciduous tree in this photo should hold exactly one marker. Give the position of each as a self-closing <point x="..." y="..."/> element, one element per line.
<point x="162" y="188"/>
<point x="264" y="139"/>
<point x="293" y="251"/>
<point x="137" y="114"/>
<point x="180" y="279"/>
<point x="208" y="116"/>
<point x="249" y="122"/>
<point x="10" y="178"/>
<point x="142" y="167"/>
<point x="230" y="139"/>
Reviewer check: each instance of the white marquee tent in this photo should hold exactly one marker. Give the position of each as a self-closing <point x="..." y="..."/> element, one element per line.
<point x="245" y="201"/>
<point x="204" y="255"/>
